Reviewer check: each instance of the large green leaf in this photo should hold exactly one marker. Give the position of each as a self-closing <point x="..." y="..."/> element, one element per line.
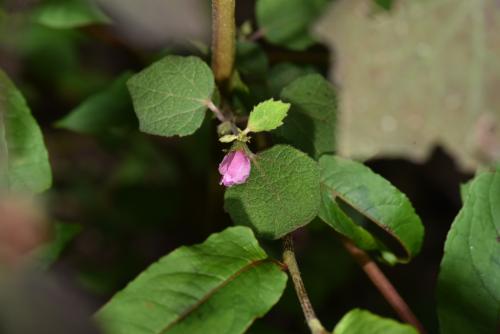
<point x="219" y="286"/>
<point x="422" y="74"/>
<point x="69" y="13"/>
<point x="281" y="194"/>
<point x="171" y="95"/>
<point x="469" y="280"/>
<point x="363" y="322"/>
<point x="24" y="162"/>
<point x="287" y="22"/>
<point x="375" y="198"/>
<point x="310" y="125"/>
<point x="104" y="111"/>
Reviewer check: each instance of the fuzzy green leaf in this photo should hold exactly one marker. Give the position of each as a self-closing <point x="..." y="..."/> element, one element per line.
<point x="469" y="280"/>
<point x="376" y="199"/>
<point x="24" y="162"/>
<point x="219" y="286"/>
<point x="104" y="111"/>
<point x="287" y="22"/>
<point x="171" y="95"/>
<point x="281" y="194"/>
<point x="363" y="322"/>
<point x="310" y="125"/>
<point x="63" y="14"/>
<point x="267" y="116"/>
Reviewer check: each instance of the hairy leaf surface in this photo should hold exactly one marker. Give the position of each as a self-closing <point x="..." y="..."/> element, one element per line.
<point x="281" y="194"/>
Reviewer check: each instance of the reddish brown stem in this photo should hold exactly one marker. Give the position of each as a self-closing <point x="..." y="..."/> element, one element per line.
<point x="383" y="285"/>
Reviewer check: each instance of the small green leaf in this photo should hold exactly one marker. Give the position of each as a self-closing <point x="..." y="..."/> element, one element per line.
<point x="267" y="116"/>
<point x="219" y="286"/>
<point x="469" y="279"/>
<point x="24" y="162"/>
<point x="310" y="125"/>
<point x="171" y="95"/>
<point x="63" y="14"/>
<point x="228" y="138"/>
<point x="281" y="194"/>
<point x="63" y="234"/>
<point x="363" y="322"/>
<point x="376" y="199"/>
<point x="104" y="111"/>
<point x="287" y="22"/>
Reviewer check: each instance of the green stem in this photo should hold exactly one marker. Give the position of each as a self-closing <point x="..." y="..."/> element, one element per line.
<point x="289" y="259"/>
<point x="223" y="40"/>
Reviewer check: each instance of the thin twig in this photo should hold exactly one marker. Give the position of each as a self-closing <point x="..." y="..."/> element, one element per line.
<point x="223" y="40"/>
<point x="217" y="112"/>
<point x="222" y="117"/>
<point x="289" y="259"/>
<point x="383" y="285"/>
<point x="256" y="35"/>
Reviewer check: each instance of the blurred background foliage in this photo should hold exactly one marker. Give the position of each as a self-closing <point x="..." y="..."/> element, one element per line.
<point x="135" y="197"/>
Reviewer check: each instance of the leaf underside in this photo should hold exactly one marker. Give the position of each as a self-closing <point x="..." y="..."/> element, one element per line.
<point x="372" y="196"/>
<point x="423" y="74"/>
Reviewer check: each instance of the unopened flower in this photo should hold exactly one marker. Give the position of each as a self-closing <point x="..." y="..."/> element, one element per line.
<point x="234" y="168"/>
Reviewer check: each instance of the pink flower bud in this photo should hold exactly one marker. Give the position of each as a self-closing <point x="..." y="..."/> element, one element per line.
<point x="234" y="168"/>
